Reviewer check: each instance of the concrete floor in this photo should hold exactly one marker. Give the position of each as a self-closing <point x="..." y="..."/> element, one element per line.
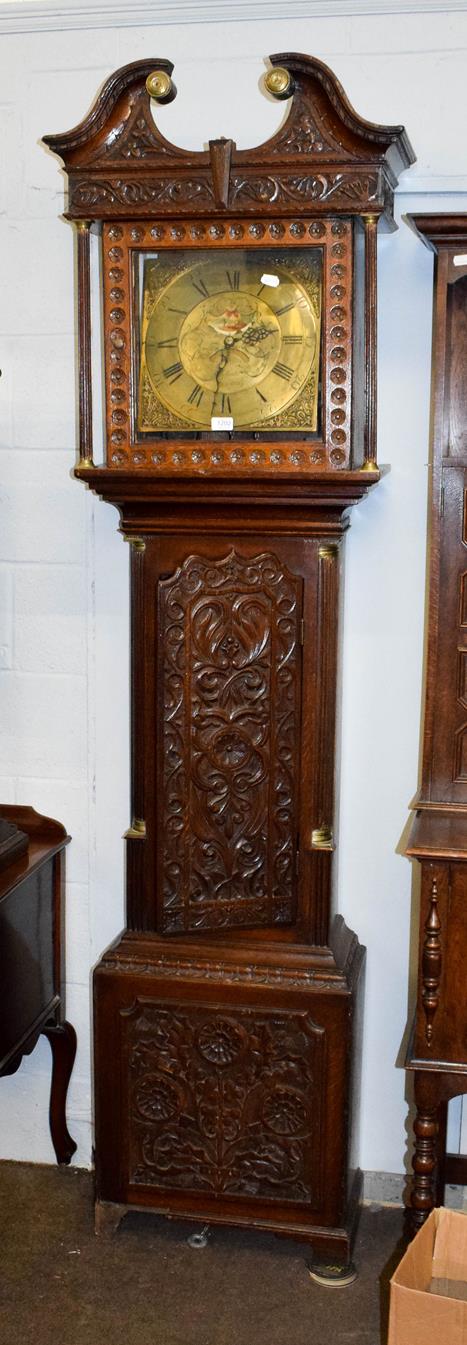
<point x="59" y="1285"/>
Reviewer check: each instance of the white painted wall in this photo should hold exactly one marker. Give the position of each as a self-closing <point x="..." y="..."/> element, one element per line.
<point x="63" y="622"/>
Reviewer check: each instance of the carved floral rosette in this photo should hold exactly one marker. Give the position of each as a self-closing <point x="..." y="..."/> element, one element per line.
<point x="225" y="1102"/>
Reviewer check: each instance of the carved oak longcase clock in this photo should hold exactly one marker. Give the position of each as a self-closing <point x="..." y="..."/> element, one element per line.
<point x="239" y="316"/>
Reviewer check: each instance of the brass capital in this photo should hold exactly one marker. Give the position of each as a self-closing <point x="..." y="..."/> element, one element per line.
<point x="322" y="839"/>
<point x="137" y="831"/>
<point x="136" y="542"/>
<point x="328" y="552"/>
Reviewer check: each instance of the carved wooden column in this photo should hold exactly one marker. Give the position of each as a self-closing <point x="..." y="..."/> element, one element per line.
<point x="438" y="1046"/>
<point x="84" y="343"/>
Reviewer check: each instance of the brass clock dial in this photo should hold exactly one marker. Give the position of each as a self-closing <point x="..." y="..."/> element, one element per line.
<point x="231" y="334"/>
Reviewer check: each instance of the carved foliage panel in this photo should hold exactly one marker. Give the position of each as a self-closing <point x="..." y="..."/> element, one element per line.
<point x="230" y="722"/>
<point x="350" y="189"/>
<point x="225" y="1102"/>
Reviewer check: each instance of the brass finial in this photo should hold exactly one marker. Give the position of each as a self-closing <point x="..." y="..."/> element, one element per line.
<point x="279" y="82"/>
<point x="159" y="85"/>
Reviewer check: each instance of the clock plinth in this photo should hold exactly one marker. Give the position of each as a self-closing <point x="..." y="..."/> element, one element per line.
<point x="239" y="327"/>
<point x="246" y="1125"/>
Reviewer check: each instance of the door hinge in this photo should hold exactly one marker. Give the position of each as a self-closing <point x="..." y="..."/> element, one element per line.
<point x="441" y="500"/>
<point x="302" y="631"/>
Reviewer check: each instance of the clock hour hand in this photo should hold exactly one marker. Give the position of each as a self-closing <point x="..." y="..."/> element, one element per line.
<point x="254" y="334"/>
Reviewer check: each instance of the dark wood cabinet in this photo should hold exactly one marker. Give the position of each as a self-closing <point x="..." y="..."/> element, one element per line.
<point x="437" y="1051"/>
<point x="239" y="318"/>
<point x="31" y="956"/>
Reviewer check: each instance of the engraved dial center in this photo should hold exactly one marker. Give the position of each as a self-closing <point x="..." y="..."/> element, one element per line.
<point x="230" y="343"/>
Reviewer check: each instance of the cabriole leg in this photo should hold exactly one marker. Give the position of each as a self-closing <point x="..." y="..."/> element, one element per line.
<point x="62" y="1040"/>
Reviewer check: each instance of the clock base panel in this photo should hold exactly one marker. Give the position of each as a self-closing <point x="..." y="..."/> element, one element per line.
<point x="223" y="1092"/>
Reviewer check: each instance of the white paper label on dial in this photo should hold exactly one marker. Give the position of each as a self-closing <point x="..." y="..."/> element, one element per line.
<point x="222" y="423"/>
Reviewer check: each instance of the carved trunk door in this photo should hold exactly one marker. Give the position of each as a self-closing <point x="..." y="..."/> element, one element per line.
<point x="230" y="674"/>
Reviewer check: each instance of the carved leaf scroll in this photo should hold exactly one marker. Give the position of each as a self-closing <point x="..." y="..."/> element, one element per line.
<point x="274" y="189"/>
<point x="225" y="1102"/>
<point x="231" y="705"/>
<point x="346" y="190"/>
<point x="135" y="140"/>
<point x="163" y="191"/>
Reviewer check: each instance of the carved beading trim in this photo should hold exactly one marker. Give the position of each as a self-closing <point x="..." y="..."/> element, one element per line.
<point x="431" y="963"/>
<point x="337" y="344"/>
<point x="169" y="966"/>
<point x="117" y="338"/>
<point x="210" y="457"/>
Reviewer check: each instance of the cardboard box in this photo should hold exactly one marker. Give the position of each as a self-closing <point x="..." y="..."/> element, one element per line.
<point x="427" y="1306"/>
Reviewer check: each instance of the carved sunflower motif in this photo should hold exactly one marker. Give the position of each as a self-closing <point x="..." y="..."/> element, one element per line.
<point x="230" y="750"/>
<point x="220" y="1042"/>
<point x="157" y="1097"/>
<point x="284" y="1112"/>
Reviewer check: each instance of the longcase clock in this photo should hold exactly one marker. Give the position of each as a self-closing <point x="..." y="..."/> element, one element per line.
<point x="239" y="317"/>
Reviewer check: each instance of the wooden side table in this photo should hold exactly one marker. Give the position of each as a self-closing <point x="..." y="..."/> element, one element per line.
<point x="31" y="955"/>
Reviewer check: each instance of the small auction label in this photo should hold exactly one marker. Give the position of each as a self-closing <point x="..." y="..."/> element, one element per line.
<point x="222" y="422"/>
